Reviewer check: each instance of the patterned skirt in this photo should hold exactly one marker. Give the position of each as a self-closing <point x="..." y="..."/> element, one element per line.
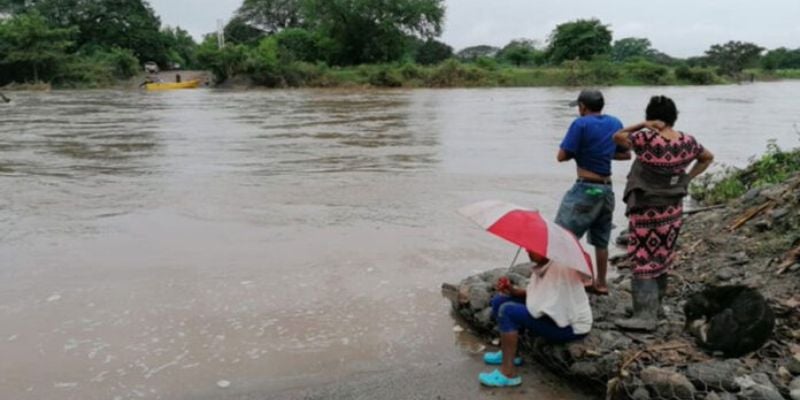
<point x="653" y="233"/>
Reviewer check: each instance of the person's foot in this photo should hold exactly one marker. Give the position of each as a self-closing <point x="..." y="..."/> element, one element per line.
<point x="637" y="324"/>
<point x="597" y="290"/>
<point x="496" y="358"/>
<point x="498" y="379"/>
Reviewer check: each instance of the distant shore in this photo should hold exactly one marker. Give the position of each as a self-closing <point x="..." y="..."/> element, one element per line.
<point x="451" y="74"/>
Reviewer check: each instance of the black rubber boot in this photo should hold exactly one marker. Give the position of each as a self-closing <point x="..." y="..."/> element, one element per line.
<point x="662" y="292"/>
<point x="646" y="302"/>
<point x="662" y="287"/>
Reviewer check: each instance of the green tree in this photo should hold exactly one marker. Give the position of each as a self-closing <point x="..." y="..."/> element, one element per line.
<point x="781" y="58"/>
<point x="224" y="63"/>
<point x="12" y="6"/>
<point x="631" y="47"/>
<point x="272" y="16"/>
<point x="29" y="44"/>
<point x="130" y="24"/>
<point x="239" y="31"/>
<point x="520" y="52"/>
<point x="300" y="44"/>
<point x="181" y="46"/>
<point x="733" y="57"/>
<point x="432" y="52"/>
<point x="663" y="58"/>
<point x="263" y="63"/>
<point x="581" y="40"/>
<point x="370" y="31"/>
<point x="475" y="52"/>
<point x="699" y="61"/>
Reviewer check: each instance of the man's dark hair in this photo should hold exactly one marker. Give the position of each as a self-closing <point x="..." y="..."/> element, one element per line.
<point x="662" y="108"/>
<point x="592" y="100"/>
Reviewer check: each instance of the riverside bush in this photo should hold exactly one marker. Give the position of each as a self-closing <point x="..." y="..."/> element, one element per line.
<point x="602" y="71"/>
<point x="96" y="69"/>
<point x="695" y="76"/>
<point x="489" y="64"/>
<point x="453" y="73"/>
<point x="648" y="72"/>
<point x="123" y="62"/>
<point x="775" y="166"/>
<point x="386" y="76"/>
<point x="265" y="71"/>
<point x="413" y="74"/>
<point x="83" y="72"/>
<point x="299" y="74"/>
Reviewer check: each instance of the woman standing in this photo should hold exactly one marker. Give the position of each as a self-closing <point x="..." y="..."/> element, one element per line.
<point x="657" y="184"/>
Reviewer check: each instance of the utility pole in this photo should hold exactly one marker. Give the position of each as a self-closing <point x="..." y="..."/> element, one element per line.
<point x="220" y="34"/>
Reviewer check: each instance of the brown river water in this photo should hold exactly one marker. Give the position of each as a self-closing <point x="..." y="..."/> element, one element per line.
<point x="282" y="244"/>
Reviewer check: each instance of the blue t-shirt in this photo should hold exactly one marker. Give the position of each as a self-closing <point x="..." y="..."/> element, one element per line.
<point x="590" y="140"/>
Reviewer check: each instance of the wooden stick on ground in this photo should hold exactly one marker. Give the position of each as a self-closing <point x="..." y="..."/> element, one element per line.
<point x="791" y="258"/>
<point x="651" y="349"/>
<point x="630" y="360"/>
<point x="694" y="245"/>
<point x="750" y="214"/>
<point x="671" y="346"/>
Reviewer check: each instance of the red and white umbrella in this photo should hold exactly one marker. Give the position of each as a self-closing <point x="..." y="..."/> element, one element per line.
<point x="529" y="230"/>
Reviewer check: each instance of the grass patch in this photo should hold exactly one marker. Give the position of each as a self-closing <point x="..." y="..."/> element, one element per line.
<point x="788" y="73"/>
<point x="775" y="166"/>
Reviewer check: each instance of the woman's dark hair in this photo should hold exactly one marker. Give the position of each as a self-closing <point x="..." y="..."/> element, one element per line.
<point x="662" y="108"/>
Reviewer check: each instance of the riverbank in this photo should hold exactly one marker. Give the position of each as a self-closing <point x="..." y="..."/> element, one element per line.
<point x="450" y="74"/>
<point x="486" y="74"/>
<point x="445" y="380"/>
<point x="751" y="240"/>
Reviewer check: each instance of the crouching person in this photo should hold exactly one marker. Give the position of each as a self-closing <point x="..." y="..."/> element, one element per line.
<point x="554" y="306"/>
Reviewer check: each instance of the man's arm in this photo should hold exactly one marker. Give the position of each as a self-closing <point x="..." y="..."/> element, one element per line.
<point x="622" y="155"/>
<point x="571" y="143"/>
<point x="518" y="292"/>
<point x="564" y="156"/>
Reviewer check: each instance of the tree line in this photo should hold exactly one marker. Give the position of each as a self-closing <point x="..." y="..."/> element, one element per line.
<point x="293" y="42"/>
<point x="85" y="42"/>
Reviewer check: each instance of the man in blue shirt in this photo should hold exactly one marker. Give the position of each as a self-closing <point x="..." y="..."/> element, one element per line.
<point x="589" y="205"/>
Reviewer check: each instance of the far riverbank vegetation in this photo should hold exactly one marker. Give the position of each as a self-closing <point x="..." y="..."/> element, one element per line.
<point x="344" y="43"/>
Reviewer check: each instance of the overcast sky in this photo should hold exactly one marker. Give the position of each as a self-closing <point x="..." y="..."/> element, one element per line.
<point x="677" y="27"/>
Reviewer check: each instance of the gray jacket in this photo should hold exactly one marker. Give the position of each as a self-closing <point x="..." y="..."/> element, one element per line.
<point x="654" y="187"/>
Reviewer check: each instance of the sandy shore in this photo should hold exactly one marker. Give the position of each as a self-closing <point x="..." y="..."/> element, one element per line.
<point x="446" y="380"/>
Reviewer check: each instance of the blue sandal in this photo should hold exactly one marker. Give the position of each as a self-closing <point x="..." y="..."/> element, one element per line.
<point x="496" y="358"/>
<point x="497" y="379"/>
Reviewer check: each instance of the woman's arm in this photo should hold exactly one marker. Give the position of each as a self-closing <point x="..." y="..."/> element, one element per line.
<point x="518" y="292"/>
<point x="505" y="287"/>
<point x="623" y="136"/>
<point x="703" y="161"/>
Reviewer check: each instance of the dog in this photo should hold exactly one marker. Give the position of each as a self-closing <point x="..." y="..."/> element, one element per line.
<point x="734" y="320"/>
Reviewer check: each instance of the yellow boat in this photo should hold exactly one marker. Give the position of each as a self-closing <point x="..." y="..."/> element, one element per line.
<point x="193" y="84"/>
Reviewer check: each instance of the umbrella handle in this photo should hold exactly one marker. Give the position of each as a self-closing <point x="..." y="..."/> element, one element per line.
<point x="514" y="261"/>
